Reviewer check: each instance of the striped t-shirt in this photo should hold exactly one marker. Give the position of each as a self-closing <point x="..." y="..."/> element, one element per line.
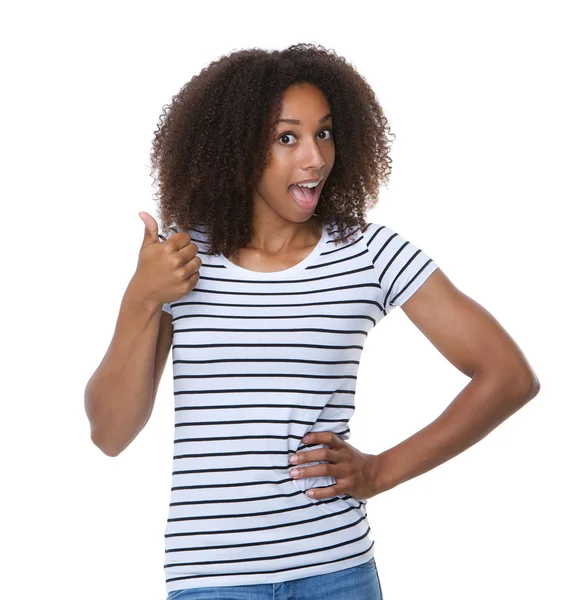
<point x="259" y="360"/>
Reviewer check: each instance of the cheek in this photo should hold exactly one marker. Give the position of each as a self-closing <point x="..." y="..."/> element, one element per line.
<point x="274" y="179"/>
<point x="330" y="155"/>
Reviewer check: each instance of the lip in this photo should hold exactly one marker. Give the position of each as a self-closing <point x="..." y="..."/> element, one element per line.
<point x="309" y="181"/>
<point x="309" y="205"/>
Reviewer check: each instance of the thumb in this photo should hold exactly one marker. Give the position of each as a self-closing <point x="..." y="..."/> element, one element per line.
<point x="150" y="229"/>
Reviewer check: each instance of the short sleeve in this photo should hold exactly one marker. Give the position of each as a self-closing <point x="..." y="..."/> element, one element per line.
<point x="163" y="237"/>
<point x="401" y="267"/>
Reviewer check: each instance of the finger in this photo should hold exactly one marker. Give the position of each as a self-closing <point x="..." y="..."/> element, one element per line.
<point x="323" y="437"/>
<point x="181" y="240"/>
<point x="176" y="239"/>
<point x="316" y="471"/>
<point x="188" y="251"/>
<point x="329" y="491"/>
<point x="150" y="229"/>
<point x="312" y="456"/>
<point x="193" y="263"/>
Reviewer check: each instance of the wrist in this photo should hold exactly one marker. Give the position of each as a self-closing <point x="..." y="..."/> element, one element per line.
<point x="140" y="300"/>
<point x="385" y="476"/>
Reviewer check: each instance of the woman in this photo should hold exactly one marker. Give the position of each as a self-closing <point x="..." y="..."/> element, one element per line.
<point x="269" y="279"/>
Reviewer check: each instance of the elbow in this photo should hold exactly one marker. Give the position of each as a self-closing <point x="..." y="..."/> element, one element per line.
<point x="534" y="389"/>
<point x="519" y="385"/>
<point x="108" y="451"/>
<point x="524" y="387"/>
<point x="528" y="382"/>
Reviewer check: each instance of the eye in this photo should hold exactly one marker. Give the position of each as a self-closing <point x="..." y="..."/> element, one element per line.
<point x="288" y="134"/>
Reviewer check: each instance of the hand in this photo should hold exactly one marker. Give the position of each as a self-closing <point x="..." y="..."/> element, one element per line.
<point x="355" y="472"/>
<point x="167" y="270"/>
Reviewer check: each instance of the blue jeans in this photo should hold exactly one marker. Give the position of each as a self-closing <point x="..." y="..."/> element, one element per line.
<point x="360" y="582"/>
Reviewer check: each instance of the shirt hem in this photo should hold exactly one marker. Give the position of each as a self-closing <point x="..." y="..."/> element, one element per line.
<point x="281" y="577"/>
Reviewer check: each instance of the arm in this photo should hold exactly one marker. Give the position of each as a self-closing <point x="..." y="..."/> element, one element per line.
<point x="474" y="342"/>
<point x="119" y="396"/>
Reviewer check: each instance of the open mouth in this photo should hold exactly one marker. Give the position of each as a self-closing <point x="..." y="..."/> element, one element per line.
<point x="306" y="198"/>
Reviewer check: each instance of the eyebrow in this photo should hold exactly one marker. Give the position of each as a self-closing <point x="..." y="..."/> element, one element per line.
<point x="297" y="122"/>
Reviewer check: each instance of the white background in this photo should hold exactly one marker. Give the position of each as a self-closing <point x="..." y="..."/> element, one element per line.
<point x="486" y="103"/>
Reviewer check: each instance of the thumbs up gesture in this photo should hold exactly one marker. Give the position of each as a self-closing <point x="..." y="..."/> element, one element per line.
<point x="167" y="270"/>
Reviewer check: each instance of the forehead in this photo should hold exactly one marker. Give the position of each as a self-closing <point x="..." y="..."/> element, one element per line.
<point x="304" y="100"/>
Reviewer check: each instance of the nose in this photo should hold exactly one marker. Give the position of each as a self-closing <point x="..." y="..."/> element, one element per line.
<point x="312" y="158"/>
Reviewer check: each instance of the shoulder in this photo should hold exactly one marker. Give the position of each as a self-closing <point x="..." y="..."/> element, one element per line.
<point x="353" y="232"/>
<point x="198" y="234"/>
<point x="378" y="233"/>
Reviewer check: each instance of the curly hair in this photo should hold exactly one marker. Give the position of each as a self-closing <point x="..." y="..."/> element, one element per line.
<point x="213" y="142"/>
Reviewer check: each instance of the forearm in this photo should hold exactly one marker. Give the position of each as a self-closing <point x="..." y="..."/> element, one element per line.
<point x="119" y="395"/>
<point x="480" y="407"/>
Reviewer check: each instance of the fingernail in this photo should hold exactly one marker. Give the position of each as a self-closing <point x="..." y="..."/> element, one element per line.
<point x="294" y="472"/>
<point x="293" y="458"/>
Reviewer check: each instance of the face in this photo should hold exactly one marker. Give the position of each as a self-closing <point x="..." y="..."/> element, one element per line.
<point x="301" y="150"/>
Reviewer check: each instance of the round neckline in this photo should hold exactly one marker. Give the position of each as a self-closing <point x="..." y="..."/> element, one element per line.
<point x="315" y="252"/>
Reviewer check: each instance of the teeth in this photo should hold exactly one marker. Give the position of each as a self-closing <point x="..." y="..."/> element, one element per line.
<point x="308" y="185"/>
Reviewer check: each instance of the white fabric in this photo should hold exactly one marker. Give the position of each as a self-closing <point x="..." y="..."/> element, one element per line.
<point x="259" y="360"/>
